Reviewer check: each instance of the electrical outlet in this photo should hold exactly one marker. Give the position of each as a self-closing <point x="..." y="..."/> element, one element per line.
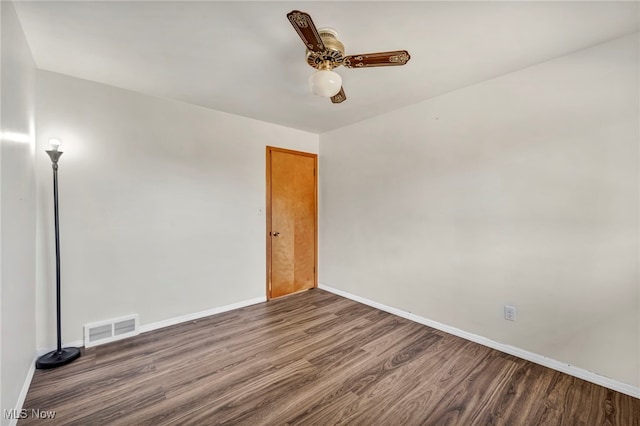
<point x="509" y="313"/>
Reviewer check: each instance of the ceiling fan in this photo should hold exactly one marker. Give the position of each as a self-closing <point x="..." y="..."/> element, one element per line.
<point x="325" y="52"/>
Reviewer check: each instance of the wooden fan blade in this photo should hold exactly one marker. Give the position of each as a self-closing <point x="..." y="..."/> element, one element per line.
<point x="379" y="59"/>
<point x="306" y="29"/>
<point x="340" y="97"/>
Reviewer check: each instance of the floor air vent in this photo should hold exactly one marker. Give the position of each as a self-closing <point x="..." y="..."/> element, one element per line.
<point x="110" y="330"/>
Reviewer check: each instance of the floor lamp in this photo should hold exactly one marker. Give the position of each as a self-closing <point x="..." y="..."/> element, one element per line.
<point x="60" y="356"/>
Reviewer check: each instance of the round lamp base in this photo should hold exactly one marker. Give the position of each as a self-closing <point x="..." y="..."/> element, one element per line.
<point x="57" y="358"/>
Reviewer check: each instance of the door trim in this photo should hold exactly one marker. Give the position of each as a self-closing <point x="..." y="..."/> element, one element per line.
<point x="269" y="150"/>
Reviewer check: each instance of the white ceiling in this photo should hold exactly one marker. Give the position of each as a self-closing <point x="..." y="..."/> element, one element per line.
<point x="246" y="59"/>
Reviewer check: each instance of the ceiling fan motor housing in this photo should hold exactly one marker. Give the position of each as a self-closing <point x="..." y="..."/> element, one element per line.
<point x="332" y="56"/>
<point x="325" y="51"/>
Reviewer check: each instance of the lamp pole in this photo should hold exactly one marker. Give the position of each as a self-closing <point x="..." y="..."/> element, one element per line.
<point x="60" y="356"/>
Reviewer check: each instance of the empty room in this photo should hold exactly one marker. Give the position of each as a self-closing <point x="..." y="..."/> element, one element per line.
<point x="320" y="213"/>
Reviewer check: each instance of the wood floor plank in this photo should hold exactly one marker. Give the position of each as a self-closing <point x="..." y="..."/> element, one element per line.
<point x="314" y="358"/>
<point x="469" y="399"/>
<point x="430" y="381"/>
<point x="404" y="381"/>
<point x="321" y="391"/>
<point x="267" y="394"/>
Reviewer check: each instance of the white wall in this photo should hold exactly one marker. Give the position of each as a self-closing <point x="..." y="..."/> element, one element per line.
<point x="520" y="190"/>
<point x="17" y="212"/>
<point x="161" y="204"/>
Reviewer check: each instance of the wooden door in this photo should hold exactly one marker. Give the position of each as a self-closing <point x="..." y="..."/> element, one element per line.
<point x="291" y="221"/>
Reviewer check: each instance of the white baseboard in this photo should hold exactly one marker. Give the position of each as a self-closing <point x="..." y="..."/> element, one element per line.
<point x="511" y="350"/>
<point x="171" y="321"/>
<point x="197" y="315"/>
<point x="24" y="390"/>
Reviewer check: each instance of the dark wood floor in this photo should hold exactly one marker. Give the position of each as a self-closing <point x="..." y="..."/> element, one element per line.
<point x="314" y="358"/>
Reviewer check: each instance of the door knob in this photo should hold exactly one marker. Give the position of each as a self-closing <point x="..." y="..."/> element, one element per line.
<point x="275" y="234"/>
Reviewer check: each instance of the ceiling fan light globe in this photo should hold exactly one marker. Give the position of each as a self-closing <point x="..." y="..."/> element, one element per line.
<point x="325" y="83"/>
